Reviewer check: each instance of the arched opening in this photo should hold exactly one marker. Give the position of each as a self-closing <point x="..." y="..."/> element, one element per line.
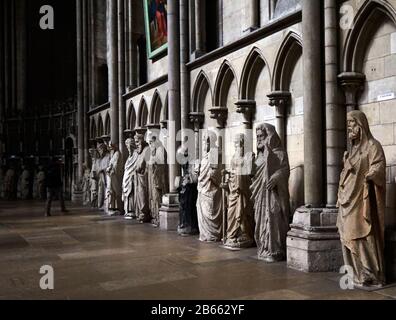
<point x="288" y="77"/>
<point x="100" y="127"/>
<point x="107" y="125"/>
<point x="156" y="109"/>
<point x="142" y="114"/>
<point x="202" y="96"/>
<point x="93" y="132"/>
<point x="131" y="117"/>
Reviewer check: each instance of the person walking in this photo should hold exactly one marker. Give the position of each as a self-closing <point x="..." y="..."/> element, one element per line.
<point x="54" y="187"/>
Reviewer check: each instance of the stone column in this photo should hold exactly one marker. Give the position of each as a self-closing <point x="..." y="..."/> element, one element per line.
<point x="335" y="114"/>
<point x="313" y="111"/>
<point x="92" y="21"/>
<point x="351" y="83"/>
<point x="112" y="62"/>
<point x="133" y="63"/>
<point x="252" y="15"/>
<point x="280" y="100"/>
<point x="21" y="52"/>
<point x="197" y="119"/>
<point x="2" y="75"/>
<point x="221" y="12"/>
<point x="199" y="32"/>
<point x="313" y="243"/>
<point x="184" y="59"/>
<point x="80" y="90"/>
<point x="169" y="212"/>
<point x="121" y="77"/>
<point x="85" y="50"/>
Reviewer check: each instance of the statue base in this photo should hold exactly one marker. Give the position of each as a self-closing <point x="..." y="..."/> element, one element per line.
<point x="313" y="243"/>
<point x="169" y="212"/>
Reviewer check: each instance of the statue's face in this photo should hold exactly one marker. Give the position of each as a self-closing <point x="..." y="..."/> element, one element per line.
<point x="354" y="130"/>
<point x="152" y="143"/>
<point x="139" y="144"/>
<point x="238" y="145"/>
<point x="261" y="136"/>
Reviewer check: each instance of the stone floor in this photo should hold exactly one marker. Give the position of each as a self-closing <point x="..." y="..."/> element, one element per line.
<point x="95" y="257"/>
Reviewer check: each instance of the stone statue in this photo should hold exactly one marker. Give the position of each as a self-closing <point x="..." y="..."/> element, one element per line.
<point x="361" y="202"/>
<point x="39" y="188"/>
<point x="93" y="177"/>
<point x="102" y="165"/>
<point x="270" y="195"/>
<point x="113" y="186"/>
<point x="188" y="194"/>
<point x="24" y="184"/>
<point x="9" y="184"/>
<point x="128" y="183"/>
<point x="142" y="192"/>
<point x="240" y="218"/>
<point x="86" y="185"/>
<point x="157" y="174"/>
<point x="209" y="203"/>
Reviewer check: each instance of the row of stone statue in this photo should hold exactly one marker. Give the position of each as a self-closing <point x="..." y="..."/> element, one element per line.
<point x="249" y="203"/>
<point x="135" y="189"/>
<point x="23" y="187"/>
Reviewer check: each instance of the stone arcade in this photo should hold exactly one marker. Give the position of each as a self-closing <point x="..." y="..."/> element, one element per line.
<point x="231" y="69"/>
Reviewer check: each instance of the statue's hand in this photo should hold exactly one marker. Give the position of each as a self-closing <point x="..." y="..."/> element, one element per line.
<point x="369" y="177"/>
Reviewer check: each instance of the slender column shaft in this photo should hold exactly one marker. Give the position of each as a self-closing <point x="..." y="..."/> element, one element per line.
<point x="121" y="76"/>
<point x="174" y="89"/>
<point x="184" y="58"/>
<point x="21" y="52"/>
<point x="335" y="114"/>
<point x="85" y="52"/>
<point x="80" y="90"/>
<point x="133" y="61"/>
<point x="199" y="45"/>
<point x="252" y="15"/>
<point x="220" y="11"/>
<point x="112" y="56"/>
<point x="313" y="123"/>
<point x="92" y="18"/>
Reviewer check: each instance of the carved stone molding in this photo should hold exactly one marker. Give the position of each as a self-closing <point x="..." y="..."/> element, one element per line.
<point x="280" y="100"/>
<point x="351" y="83"/>
<point x="247" y="108"/>
<point x="220" y="114"/>
<point x="197" y="118"/>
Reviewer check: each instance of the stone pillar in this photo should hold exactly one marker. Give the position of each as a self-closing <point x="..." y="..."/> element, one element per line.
<point x="280" y="100"/>
<point x="121" y="78"/>
<point x="199" y="25"/>
<point x="86" y="87"/>
<point x="335" y="114"/>
<point x="252" y="15"/>
<point x="221" y="12"/>
<point x="313" y="243"/>
<point x="21" y="51"/>
<point x="92" y="19"/>
<point x="2" y="75"/>
<point x="133" y="63"/>
<point x="197" y="119"/>
<point x="351" y="83"/>
<point x="313" y="111"/>
<point x="184" y="59"/>
<point x="112" y="62"/>
<point x="169" y="211"/>
<point x="80" y="90"/>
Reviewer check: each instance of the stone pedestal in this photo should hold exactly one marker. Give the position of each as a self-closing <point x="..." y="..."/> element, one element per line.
<point x="77" y="197"/>
<point x="313" y="243"/>
<point x="169" y="212"/>
<point x="390" y="255"/>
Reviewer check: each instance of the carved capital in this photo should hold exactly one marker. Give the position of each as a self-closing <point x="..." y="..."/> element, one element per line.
<point x="280" y="100"/>
<point x="351" y="83"/>
<point x="164" y="124"/>
<point x="152" y="126"/>
<point x="197" y="118"/>
<point x="220" y="114"/>
<point x="247" y="108"/>
<point x="141" y="130"/>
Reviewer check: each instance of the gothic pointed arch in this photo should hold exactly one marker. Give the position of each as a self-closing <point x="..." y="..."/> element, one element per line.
<point x="254" y="66"/>
<point x="367" y="21"/>
<point x="290" y="51"/>
<point x="155" y="109"/>
<point x="131" y="117"/>
<point x="201" y="89"/>
<point x="93" y="130"/>
<point x="107" y="125"/>
<point x="142" y="116"/>
<point x="100" y="126"/>
<point x="223" y="83"/>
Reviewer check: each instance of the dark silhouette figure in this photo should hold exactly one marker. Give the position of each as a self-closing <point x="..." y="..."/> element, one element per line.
<point x="54" y="186"/>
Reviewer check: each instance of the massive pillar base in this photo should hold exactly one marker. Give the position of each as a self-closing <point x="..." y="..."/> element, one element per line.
<point x="390" y="255"/>
<point x="313" y="243"/>
<point x="169" y="212"/>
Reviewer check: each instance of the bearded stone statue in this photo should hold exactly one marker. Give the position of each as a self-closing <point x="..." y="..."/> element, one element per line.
<point x="270" y="195"/>
<point x="361" y="203"/>
<point x="129" y="180"/>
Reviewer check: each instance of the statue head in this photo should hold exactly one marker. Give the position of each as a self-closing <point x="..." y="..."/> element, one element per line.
<point x="130" y="144"/>
<point x="113" y="146"/>
<point x="267" y="137"/>
<point x="93" y="153"/>
<point x="153" y="142"/>
<point x="102" y="149"/>
<point x="358" y="127"/>
<point x="209" y="139"/>
<point x="239" y="144"/>
<point x="140" y="143"/>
